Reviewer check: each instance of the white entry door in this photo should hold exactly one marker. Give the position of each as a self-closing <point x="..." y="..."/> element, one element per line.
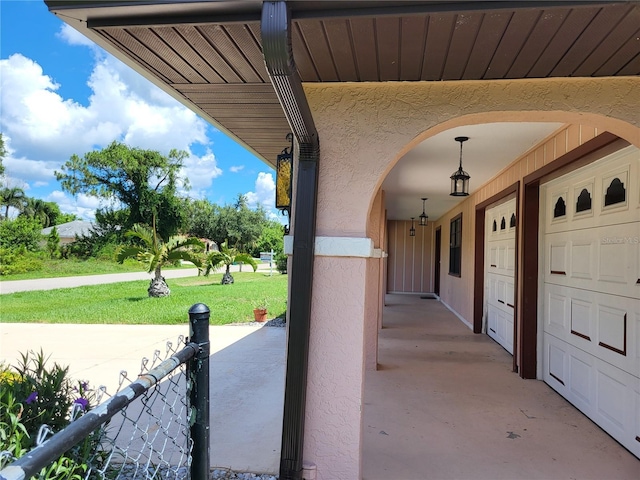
<point x="500" y="248"/>
<point x="590" y="285"/>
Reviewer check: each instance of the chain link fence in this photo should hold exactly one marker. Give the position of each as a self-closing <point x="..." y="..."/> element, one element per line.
<point x="153" y="427"/>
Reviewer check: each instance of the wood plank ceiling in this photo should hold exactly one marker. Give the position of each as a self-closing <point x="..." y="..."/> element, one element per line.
<point x="218" y="68"/>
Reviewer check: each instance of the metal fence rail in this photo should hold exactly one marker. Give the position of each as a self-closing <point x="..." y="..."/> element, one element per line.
<point x="156" y="427"/>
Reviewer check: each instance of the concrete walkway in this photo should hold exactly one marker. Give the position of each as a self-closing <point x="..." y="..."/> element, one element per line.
<point x="444" y="404"/>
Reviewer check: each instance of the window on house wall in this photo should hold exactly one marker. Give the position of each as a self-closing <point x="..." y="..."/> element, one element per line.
<point x="455" y="246"/>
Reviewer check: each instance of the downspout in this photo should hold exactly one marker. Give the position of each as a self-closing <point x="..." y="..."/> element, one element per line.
<point x="278" y="57"/>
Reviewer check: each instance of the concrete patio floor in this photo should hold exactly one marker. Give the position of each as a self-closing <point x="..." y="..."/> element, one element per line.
<point x="445" y="404"/>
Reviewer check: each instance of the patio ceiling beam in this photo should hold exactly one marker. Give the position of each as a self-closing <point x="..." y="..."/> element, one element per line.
<point x="278" y="56"/>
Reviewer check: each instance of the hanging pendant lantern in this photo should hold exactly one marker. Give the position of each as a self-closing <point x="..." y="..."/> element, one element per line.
<point x="460" y="178"/>
<point x="412" y="230"/>
<point x="424" y="219"/>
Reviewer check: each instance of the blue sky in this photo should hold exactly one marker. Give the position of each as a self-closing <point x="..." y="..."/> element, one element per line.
<point x="62" y="95"/>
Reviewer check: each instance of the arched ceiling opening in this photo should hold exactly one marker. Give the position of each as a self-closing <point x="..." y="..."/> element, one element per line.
<point x="425" y="170"/>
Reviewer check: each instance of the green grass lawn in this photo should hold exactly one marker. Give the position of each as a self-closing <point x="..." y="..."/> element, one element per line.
<point x="74" y="267"/>
<point x="128" y="303"/>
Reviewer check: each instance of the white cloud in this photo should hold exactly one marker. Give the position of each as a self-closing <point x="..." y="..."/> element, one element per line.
<point x="236" y="168"/>
<point x="38" y="172"/>
<point x="84" y="206"/>
<point x="44" y="127"/>
<point x="265" y="192"/>
<point x="73" y="37"/>
<point x="200" y="171"/>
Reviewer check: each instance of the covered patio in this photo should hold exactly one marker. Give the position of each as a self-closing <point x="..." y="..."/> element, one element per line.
<point x="444" y="403"/>
<point x="364" y="87"/>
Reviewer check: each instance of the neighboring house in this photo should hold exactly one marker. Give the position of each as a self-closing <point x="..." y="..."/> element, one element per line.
<point x="68" y="231"/>
<point x="542" y="255"/>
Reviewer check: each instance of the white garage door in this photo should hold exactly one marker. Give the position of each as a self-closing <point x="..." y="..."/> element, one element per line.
<point x="500" y="247"/>
<point x="590" y="232"/>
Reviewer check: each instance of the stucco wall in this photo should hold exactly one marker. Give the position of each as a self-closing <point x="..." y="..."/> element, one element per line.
<point x="333" y="427"/>
<point x="375" y="268"/>
<point x="365" y="128"/>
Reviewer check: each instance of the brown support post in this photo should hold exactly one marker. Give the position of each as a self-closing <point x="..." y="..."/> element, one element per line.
<point x="529" y="327"/>
<point x="478" y="280"/>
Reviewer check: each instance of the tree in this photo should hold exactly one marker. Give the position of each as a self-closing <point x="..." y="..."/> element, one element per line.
<point x="271" y="238"/>
<point x="53" y="243"/>
<point x="38" y="210"/>
<point x="201" y="219"/>
<point x="238" y="225"/>
<point x="12" y="197"/>
<point x="144" y="181"/>
<point x="227" y="256"/>
<point x="156" y="253"/>
<point x="3" y="152"/>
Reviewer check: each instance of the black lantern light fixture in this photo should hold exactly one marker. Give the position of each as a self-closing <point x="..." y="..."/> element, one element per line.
<point x="460" y="178"/>
<point x="424" y="218"/>
<point x="412" y="230"/>
<point x="284" y="175"/>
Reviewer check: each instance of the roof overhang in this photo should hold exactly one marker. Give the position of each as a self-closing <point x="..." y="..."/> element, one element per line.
<point x="208" y="54"/>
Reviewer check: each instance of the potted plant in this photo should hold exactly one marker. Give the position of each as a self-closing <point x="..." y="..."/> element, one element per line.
<point x="260" y="310"/>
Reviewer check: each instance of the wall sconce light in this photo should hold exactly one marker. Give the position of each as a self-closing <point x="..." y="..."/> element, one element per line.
<point x="460" y="178"/>
<point x="284" y="173"/>
<point x="424" y="219"/>
<point x="412" y="230"/>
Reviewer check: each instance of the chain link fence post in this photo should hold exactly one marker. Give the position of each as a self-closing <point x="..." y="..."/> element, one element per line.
<point x="198" y="381"/>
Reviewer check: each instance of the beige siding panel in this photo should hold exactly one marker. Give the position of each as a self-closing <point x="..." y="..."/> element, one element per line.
<point x="561" y="143"/>
<point x="573" y="137"/>
<point x="409" y="264"/>
<point x="587" y="133"/>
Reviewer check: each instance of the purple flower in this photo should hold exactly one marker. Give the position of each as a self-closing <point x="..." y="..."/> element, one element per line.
<point x="83" y="402"/>
<point x="31" y="398"/>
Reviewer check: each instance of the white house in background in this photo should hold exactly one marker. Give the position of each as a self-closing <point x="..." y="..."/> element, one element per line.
<point x="68" y="231"/>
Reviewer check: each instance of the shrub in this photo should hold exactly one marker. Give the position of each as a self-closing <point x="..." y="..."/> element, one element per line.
<point x="32" y="395"/>
<point x="19" y="260"/>
<point x="22" y="231"/>
<point x="281" y="262"/>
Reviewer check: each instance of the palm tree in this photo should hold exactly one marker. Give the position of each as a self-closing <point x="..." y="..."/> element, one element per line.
<point x="12" y="197"/>
<point x="37" y="209"/>
<point x="227" y="256"/>
<point x="155" y="253"/>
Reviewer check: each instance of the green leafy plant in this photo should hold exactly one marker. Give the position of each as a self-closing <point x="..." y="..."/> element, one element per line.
<point x="227" y="256"/>
<point x="32" y="394"/>
<point x="262" y="304"/>
<point x="19" y="260"/>
<point x="281" y="263"/>
<point x="14" y="437"/>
